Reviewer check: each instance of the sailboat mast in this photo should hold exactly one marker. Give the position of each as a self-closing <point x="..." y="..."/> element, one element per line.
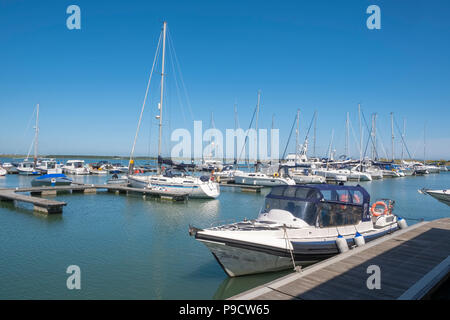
<point x="360" y="136"/>
<point x="403" y="135"/>
<point x="36" y="136"/>
<point x="256" y="128"/>
<point x="314" y="140"/>
<point x="346" y="136"/>
<point x="162" y="95"/>
<point x="297" y="136"/>
<point x="392" y="133"/>
<point x="235" y="128"/>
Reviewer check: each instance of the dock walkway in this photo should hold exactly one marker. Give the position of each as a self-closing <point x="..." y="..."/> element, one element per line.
<point x="52" y="206"/>
<point x="412" y="262"/>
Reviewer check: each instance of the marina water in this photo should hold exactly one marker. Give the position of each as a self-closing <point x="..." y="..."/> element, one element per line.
<point x="131" y="248"/>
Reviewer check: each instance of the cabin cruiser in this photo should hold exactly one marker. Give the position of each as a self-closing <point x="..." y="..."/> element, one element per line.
<point x="75" y="167"/>
<point x="304" y="176"/>
<point x="441" y="195"/>
<point x="299" y="225"/>
<point x="374" y="172"/>
<point x="51" y="180"/>
<point x="49" y="166"/>
<point x="10" y="167"/>
<point x="359" y="175"/>
<point x="273" y="176"/>
<point x="177" y="180"/>
<point x="227" y="172"/>
<point x="211" y="165"/>
<point x="27" y="168"/>
<point x="338" y="175"/>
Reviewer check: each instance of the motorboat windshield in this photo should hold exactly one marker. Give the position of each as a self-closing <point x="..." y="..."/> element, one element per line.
<point x="321" y="205"/>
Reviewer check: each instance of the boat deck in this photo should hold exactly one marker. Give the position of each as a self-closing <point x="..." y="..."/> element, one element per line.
<point x="412" y="262"/>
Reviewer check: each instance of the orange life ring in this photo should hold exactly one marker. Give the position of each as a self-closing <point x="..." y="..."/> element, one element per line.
<point x="377" y="213"/>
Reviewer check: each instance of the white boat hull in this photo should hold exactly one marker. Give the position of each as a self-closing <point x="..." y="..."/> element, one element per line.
<point x="263" y="180"/>
<point x="201" y="190"/>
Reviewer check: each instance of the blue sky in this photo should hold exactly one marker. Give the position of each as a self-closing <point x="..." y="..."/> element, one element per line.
<point x="312" y="55"/>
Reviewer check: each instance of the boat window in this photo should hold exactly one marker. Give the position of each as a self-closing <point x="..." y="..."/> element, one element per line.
<point x="333" y="215"/>
<point x="277" y="191"/>
<point x="307" y="211"/>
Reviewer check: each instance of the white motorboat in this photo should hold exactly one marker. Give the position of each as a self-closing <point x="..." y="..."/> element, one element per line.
<point x="178" y="182"/>
<point x="374" y="172"/>
<point x="338" y="175"/>
<point x="27" y="168"/>
<point x="228" y="172"/>
<point x="10" y="167"/>
<point x="75" y="167"/>
<point x="306" y="177"/>
<point x="441" y="195"/>
<point x="49" y="166"/>
<point x="3" y="172"/>
<point x="357" y="175"/>
<point x="261" y="179"/>
<point x="299" y="225"/>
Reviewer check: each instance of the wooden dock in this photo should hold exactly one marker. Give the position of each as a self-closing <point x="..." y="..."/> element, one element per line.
<point x="412" y="262"/>
<point x="242" y="187"/>
<point x="52" y="206"/>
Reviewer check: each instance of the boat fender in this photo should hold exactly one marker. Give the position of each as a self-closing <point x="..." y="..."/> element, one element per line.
<point x="402" y="223"/>
<point x="359" y="239"/>
<point x="341" y="244"/>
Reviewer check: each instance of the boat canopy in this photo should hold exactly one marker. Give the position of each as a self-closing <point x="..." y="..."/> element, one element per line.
<point x="322" y="205"/>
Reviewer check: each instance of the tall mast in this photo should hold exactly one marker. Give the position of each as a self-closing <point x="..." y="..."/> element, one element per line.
<point x="374" y="136"/>
<point x="256" y="128"/>
<point x="235" y="128"/>
<point x="297" y="135"/>
<point x="346" y="136"/>
<point x="360" y="136"/>
<point x="403" y="135"/>
<point x="36" y="136"/>
<point x="392" y="132"/>
<point x="314" y="140"/>
<point x="424" y="127"/>
<point x="162" y="95"/>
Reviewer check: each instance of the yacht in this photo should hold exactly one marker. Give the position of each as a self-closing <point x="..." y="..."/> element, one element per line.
<point x="358" y="175"/>
<point x="49" y="166"/>
<point x="305" y="176"/>
<point x="338" y="175"/>
<point x="27" y="168"/>
<point x="299" y="225"/>
<point x="176" y="181"/>
<point x="441" y="195"/>
<point x="75" y="167"/>
<point x="3" y="172"/>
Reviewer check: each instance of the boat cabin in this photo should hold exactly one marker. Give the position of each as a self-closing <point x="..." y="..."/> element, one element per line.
<point x="321" y="205"/>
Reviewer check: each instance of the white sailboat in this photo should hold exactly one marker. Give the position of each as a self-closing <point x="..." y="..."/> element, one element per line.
<point x="179" y="182"/>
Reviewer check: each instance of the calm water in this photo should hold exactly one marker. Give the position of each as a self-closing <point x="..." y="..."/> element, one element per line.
<point x="128" y="247"/>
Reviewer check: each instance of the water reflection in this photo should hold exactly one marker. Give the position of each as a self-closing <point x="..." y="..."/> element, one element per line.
<point x="233" y="286"/>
